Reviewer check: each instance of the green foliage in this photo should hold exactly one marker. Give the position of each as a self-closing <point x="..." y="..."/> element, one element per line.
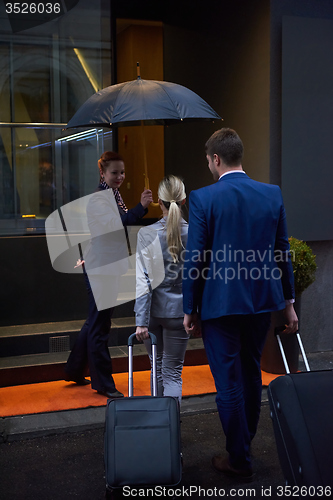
<point x="304" y="264"/>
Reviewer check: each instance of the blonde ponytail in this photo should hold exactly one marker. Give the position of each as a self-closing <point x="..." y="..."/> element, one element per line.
<point x="171" y="191"/>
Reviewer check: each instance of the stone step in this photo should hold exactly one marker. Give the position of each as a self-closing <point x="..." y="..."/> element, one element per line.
<point x="47" y="367"/>
<point x="55" y="337"/>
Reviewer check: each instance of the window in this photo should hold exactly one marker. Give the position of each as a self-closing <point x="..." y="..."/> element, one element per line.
<point x="47" y="73"/>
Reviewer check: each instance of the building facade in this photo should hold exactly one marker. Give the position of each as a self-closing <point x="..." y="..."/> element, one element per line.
<point x="233" y="54"/>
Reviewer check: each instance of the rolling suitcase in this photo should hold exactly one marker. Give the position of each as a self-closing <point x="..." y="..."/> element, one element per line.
<point x="301" y="407"/>
<point x="142" y="436"/>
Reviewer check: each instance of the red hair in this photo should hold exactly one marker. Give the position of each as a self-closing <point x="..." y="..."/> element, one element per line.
<point x="106" y="158"/>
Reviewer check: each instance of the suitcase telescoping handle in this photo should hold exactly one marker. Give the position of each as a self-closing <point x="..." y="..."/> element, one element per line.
<point x="277" y="333"/>
<point x="130" y="363"/>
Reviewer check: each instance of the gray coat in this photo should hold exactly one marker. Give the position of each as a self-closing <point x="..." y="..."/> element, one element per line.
<point x="158" y="278"/>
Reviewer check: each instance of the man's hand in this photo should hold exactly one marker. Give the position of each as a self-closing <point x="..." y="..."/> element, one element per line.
<point x="142" y="333"/>
<point x="292" y="320"/>
<point x="192" y="325"/>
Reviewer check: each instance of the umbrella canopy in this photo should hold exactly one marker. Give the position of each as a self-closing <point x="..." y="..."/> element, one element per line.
<point x="140" y="102"/>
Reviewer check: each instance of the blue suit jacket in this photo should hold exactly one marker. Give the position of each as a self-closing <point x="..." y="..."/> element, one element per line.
<point x="237" y="256"/>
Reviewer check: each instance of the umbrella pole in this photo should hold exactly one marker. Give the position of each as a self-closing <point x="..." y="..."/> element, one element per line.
<point x="144" y="156"/>
<point x="145" y="162"/>
<point x="144" y="144"/>
<point x="143" y="138"/>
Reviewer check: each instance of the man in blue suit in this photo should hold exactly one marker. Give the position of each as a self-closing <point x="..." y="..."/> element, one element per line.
<point x="237" y="270"/>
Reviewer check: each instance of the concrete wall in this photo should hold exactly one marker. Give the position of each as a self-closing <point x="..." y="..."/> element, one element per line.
<point x="317" y="300"/>
<point x="317" y="304"/>
<point x="225" y="59"/>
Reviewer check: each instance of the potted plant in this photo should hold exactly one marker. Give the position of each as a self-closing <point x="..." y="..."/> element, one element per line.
<point x="304" y="264"/>
<point x="304" y="267"/>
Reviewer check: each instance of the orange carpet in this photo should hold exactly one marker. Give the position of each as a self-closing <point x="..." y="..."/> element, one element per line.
<point x="61" y="395"/>
<point x="268" y="377"/>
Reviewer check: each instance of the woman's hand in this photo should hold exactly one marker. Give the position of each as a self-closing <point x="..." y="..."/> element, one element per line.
<point x="146" y="198"/>
<point x="142" y="333"/>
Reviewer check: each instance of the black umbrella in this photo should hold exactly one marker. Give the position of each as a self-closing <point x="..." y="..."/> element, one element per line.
<point x="142" y="102"/>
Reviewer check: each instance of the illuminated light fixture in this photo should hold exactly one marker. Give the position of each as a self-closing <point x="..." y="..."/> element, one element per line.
<point x="87" y="70"/>
<point x="91" y="136"/>
<point x="40" y="145"/>
<point x="78" y="135"/>
<point x="29" y="216"/>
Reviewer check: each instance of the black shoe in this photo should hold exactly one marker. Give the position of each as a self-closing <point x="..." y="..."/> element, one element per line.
<point x="112" y="395"/>
<point x="78" y="381"/>
<point x="222" y="465"/>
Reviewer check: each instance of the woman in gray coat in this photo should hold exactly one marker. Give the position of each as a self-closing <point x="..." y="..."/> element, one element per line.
<point x="159" y="302"/>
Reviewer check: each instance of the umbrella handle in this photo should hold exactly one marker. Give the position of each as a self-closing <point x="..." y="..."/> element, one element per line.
<point x="153" y="204"/>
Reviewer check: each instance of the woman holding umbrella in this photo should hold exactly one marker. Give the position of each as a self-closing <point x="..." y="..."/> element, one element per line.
<point x="105" y="249"/>
<point x="159" y="309"/>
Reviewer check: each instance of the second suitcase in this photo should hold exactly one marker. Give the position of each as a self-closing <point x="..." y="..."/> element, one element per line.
<point x="142" y="437"/>
<point x="302" y="413"/>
